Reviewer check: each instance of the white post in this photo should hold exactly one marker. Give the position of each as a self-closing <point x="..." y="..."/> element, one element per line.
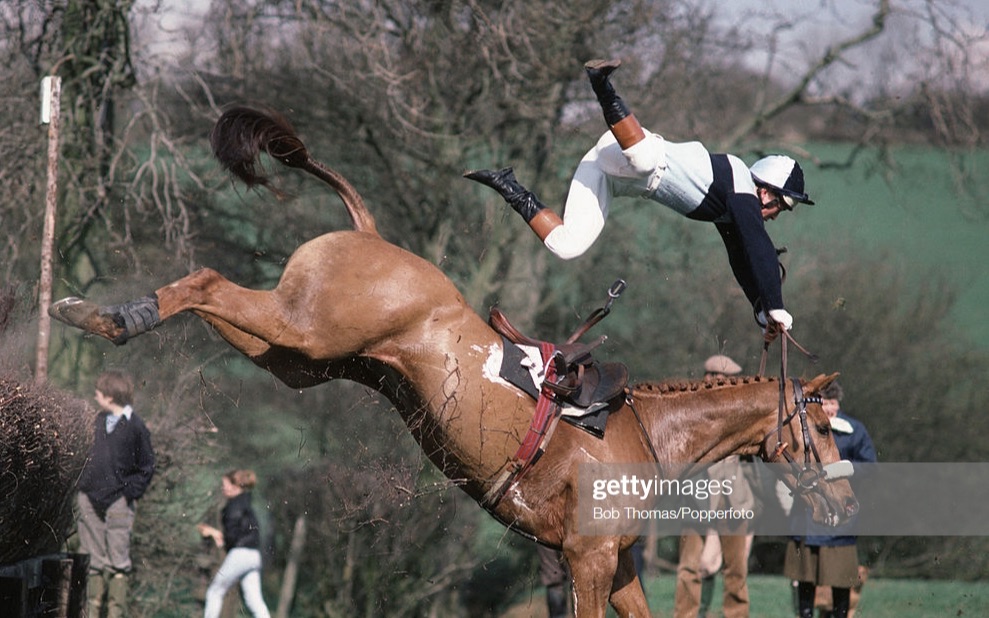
<point x="51" y="91"/>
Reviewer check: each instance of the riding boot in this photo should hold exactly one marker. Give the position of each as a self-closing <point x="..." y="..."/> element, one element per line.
<point x="805" y="599"/>
<point x="116" y="596"/>
<point x="556" y="602"/>
<point x="95" y="590"/>
<point x="840" y="600"/>
<point x="540" y="219"/>
<point x="623" y="124"/>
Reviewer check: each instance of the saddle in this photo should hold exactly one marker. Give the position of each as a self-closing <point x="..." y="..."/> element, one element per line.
<point x="572" y="378"/>
<point x="582" y="381"/>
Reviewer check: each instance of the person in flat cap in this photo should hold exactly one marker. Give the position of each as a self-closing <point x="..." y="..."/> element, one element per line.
<point x="721" y="365"/>
<point x="703" y="555"/>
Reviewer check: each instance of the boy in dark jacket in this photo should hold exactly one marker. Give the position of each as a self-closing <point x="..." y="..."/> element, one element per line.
<point x="117" y="473"/>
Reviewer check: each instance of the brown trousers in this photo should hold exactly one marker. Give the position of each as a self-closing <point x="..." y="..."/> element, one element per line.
<point x="735" y="603"/>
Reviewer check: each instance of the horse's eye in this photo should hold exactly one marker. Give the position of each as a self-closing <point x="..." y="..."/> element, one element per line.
<point x="824" y="429"/>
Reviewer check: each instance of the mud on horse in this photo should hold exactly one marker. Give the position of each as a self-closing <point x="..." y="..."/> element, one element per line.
<point x="352" y="305"/>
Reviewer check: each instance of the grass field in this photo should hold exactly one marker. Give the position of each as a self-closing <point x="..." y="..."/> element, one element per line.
<point x="918" y="220"/>
<point x="770" y="597"/>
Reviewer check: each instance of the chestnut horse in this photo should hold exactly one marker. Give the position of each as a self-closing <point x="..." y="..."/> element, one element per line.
<point x="352" y="305"/>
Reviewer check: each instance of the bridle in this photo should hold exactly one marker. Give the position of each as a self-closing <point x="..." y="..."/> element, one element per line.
<point x="809" y="473"/>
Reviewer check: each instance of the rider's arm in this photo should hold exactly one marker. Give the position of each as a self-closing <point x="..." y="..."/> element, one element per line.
<point x="751" y="252"/>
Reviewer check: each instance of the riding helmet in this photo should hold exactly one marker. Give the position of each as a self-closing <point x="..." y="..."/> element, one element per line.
<point x="783" y="175"/>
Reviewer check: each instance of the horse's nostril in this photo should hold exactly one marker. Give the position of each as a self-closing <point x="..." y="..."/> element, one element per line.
<point x="851" y="506"/>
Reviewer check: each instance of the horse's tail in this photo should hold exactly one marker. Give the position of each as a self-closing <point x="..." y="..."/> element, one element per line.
<point x="242" y="133"/>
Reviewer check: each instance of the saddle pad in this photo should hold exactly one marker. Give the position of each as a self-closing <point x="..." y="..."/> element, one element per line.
<point x="516" y="369"/>
<point x="515" y="365"/>
<point x="592" y="421"/>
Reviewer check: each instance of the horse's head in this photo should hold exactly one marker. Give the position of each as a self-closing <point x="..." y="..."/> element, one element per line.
<point x="806" y="454"/>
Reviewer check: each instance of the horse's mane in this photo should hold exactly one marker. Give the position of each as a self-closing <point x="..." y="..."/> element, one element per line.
<point x="674" y="386"/>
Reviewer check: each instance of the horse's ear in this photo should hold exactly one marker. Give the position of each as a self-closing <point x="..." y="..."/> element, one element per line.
<point x="818" y="383"/>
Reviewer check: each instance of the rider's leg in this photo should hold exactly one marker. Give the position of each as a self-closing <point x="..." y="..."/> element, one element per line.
<point x="621" y="121"/>
<point x="541" y="219"/>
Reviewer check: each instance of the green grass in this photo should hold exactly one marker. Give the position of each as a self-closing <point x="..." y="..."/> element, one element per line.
<point x="770" y="597"/>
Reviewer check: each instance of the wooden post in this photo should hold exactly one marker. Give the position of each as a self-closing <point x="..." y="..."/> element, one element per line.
<point x="57" y="580"/>
<point x="51" y="93"/>
<point x="287" y="593"/>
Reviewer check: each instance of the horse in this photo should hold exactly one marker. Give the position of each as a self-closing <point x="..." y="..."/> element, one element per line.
<point x="351" y="305"/>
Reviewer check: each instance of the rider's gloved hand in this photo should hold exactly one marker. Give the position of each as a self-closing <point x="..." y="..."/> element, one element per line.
<point x="781" y="317"/>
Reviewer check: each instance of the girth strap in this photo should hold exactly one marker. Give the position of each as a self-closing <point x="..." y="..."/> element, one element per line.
<point x="544" y="421"/>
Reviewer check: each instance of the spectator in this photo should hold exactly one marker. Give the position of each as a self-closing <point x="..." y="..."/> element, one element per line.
<point x="119" y="469"/>
<point x="241" y="537"/>
<point x="553" y="574"/>
<point x="818" y="555"/>
<point x="701" y="557"/>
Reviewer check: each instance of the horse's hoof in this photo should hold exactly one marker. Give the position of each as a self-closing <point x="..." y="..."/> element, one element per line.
<point x="85" y="315"/>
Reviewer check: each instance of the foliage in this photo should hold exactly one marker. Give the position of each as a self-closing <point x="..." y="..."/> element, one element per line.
<point x="378" y="541"/>
<point x="43" y="442"/>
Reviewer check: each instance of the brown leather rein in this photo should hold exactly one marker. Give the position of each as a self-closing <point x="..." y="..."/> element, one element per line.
<point x="809" y="474"/>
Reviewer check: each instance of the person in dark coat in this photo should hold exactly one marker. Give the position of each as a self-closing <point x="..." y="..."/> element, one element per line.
<point x="241" y="538"/>
<point x="818" y="555"/>
<point x="118" y="471"/>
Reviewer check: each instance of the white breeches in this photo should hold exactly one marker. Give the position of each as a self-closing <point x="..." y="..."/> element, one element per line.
<point x="243" y="565"/>
<point x="592" y="188"/>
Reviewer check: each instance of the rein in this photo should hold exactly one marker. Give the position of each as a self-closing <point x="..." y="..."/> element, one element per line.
<point x="808" y="475"/>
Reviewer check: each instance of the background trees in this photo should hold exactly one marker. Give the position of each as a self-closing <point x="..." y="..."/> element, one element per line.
<point x="402" y="97"/>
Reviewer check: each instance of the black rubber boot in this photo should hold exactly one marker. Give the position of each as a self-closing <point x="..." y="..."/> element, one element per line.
<point x="840" y="601"/>
<point x="805" y="599"/>
<point x="518" y="197"/>
<point x="598" y="72"/>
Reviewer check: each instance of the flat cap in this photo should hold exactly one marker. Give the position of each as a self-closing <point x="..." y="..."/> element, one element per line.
<point x="719" y="363"/>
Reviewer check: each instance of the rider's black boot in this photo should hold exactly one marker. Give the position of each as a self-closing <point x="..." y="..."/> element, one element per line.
<point x="623" y="123"/>
<point x="541" y="219"/>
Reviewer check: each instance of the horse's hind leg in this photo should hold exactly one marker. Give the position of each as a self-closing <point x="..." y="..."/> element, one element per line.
<point x="248" y="319"/>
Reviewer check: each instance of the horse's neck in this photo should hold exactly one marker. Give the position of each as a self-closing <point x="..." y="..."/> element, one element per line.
<point x="710" y="424"/>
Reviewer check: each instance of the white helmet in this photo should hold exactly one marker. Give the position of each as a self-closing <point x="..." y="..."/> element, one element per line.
<point x="783" y="175"/>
